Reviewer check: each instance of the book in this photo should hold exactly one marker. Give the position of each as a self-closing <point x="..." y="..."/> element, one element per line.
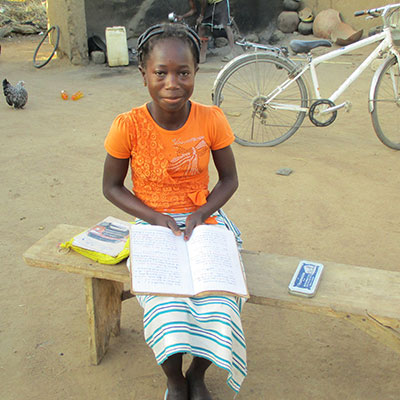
<point x="107" y="237"/>
<point x="162" y="263"/>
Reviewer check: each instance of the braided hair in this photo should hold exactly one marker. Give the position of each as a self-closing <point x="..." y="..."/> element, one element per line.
<point x="158" y="32"/>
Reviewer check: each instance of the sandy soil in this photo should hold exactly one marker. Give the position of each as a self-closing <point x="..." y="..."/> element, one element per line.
<point x="341" y="204"/>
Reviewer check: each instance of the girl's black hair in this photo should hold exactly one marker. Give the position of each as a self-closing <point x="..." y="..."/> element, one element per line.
<point x="158" y="32"/>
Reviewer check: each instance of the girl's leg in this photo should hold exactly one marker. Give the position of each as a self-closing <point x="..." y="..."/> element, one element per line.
<point x="177" y="385"/>
<point x="195" y="377"/>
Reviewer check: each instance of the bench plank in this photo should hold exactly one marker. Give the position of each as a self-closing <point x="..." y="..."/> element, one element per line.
<point x="367" y="297"/>
<point x="343" y="288"/>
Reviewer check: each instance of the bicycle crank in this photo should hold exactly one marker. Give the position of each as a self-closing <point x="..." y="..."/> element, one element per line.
<point x="323" y="112"/>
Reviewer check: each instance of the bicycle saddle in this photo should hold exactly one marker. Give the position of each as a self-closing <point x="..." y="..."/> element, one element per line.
<point x="304" y="46"/>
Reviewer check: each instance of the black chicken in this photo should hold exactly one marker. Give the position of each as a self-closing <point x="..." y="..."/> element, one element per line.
<point x="16" y="96"/>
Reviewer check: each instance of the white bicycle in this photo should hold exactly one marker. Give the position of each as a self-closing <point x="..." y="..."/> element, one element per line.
<point x="265" y="98"/>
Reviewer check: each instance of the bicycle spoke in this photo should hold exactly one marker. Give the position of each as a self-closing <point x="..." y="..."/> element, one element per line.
<point x="244" y="92"/>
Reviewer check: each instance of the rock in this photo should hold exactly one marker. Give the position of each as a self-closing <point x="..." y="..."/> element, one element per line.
<point x="6" y="30"/>
<point x="284" y="171"/>
<point x="98" y="57"/>
<point x="276" y="37"/>
<point x="288" y="21"/>
<point x="291" y="5"/>
<point x="25" y="29"/>
<point x="325" y="22"/>
<point x="344" y="34"/>
<point x="221" y="42"/>
<point x="264" y="36"/>
<point x="306" y="15"/>
<point x="252" y="37"/>
<point x="328" y="25"/>
<point x="305" y="28"/>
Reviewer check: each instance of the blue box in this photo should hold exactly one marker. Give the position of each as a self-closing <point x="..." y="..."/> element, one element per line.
<point x="306" y="279"/>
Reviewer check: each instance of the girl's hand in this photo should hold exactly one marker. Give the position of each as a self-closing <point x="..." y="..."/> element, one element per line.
<point x="192" y="221"/>
<point x="168" y="222"/>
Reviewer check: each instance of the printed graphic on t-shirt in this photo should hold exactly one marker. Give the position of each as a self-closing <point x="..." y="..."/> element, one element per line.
<point x="188" y="156"/>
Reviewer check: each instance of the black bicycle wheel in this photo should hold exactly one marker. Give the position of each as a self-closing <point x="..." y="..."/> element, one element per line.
<point x="386" y="104"/>
<point x="242" y="90"/>
<point x="42" y="64"/>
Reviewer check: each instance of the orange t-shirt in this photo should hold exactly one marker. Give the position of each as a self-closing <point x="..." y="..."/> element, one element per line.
<point x="169" y="168"/>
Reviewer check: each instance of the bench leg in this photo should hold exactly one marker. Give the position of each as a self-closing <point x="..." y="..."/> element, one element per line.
<point x="103" y="305"/>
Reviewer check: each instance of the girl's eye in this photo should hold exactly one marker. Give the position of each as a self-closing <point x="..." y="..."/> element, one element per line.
<point x="160" y="73"/>
<point x="185" y="73"/>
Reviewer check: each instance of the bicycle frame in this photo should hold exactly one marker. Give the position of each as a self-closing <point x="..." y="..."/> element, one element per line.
<point x="385" y="46"/>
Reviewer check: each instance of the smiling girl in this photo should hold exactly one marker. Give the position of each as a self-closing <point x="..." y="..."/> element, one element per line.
<point x="167" y="144"/>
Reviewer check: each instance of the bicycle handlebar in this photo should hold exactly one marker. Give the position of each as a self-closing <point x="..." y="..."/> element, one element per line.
<point x="376" y="12"/>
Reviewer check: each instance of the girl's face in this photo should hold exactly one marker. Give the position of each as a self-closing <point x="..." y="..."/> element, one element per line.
<point x="169" y="74"/>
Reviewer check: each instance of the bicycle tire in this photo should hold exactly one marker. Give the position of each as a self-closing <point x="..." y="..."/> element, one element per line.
<point x="57" y="29"/>
<point x="385" y="112"/>
<point x="242" y="87"/>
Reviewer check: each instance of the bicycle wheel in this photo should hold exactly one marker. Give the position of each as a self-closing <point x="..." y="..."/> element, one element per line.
<point x="386" y="104"/>
<point x="242" y="90"/>
<point x="45" y="62"/>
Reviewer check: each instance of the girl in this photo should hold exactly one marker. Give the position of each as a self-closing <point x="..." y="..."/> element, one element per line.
<point x="167" y="143"/>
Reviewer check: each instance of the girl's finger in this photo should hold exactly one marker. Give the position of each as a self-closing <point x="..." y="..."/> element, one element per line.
<point x="187" y="233"/>
<point x="188" y="230"/>
<point x="174" y="227"/>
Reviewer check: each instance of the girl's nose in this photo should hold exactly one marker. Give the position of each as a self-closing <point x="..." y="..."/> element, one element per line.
<point x="171" y="81"/>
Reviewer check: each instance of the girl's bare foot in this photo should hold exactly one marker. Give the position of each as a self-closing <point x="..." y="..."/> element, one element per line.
<point x="195" y="379"/>
<point x="177" y="390"/>
<point x="176" y="383"/>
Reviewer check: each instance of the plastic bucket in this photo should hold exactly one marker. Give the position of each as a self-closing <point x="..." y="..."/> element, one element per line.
<point x="117" y="46"/>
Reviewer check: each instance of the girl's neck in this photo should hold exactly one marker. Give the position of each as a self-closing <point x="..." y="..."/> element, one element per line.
<point x="170" y="121"/>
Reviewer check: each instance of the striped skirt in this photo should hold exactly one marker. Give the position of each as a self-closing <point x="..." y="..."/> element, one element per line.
<point x="208" y="327"/>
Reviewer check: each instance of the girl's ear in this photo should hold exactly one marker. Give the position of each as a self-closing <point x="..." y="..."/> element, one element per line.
<point x="143" y="72"/>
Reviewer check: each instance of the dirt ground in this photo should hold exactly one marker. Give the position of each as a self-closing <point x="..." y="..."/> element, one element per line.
<point x="340" y="204"/>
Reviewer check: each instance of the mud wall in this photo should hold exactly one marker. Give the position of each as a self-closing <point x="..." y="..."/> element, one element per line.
<point x="69" y="15"/>
<point x="80" y="19"/>
<point x="136" y="15"/>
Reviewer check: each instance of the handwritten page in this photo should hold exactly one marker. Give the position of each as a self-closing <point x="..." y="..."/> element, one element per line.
<point x="159" y="261"/>
<point x="162" y="263"/>
<point x="215" y="261"/>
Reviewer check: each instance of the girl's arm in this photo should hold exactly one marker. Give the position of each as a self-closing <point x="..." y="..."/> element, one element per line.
<point x="227" y="184"/>
<point x="114" y="190"/>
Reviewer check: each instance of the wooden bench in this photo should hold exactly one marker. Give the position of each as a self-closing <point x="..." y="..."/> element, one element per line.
<point x="366" y="297"/>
